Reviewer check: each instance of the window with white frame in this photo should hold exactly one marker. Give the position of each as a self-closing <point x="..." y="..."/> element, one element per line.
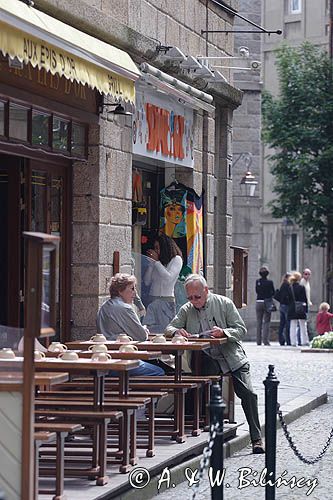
<point x="293" y="252"/>
<point x="295" y="6"/>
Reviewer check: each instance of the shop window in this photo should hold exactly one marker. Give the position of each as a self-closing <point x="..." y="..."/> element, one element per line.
<point x="18" y="122"/>
<point x="240" y="276"/>
<point x="40" y="128"/>
<point x="38" y="201"/>
<point x="2" y="118"/>
<point x="78" y="143"/>
<point x="60" y="134"/>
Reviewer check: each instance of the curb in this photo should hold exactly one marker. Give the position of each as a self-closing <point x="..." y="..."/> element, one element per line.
<point x="292" y="411"/>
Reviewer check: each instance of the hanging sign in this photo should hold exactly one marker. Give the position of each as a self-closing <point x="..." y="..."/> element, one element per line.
<point x="163" y="129"/>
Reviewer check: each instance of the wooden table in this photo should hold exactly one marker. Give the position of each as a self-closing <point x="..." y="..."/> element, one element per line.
<point x="99" y="369"/>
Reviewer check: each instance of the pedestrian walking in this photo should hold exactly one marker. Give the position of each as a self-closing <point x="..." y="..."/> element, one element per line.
<point x="282" y="296"/>
<point x="264" y="305"/>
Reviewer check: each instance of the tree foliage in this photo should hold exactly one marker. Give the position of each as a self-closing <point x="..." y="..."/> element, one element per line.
<point x="298" y="124"/>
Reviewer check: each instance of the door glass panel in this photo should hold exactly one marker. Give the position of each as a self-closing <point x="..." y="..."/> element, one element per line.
<point x="18" y="122"/>
<point x="2" y="118"/>
<point x="60" y="134"/>
<point x="57" y="190"/>
<point x="38" y="201"/>
<point x="40" y="128"/>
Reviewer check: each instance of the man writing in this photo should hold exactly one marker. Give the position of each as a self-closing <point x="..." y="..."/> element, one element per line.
<point x="207" y="311"/>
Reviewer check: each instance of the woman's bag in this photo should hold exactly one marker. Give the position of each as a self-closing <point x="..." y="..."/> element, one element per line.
<point x="300" y="307"/>
<point x="269" y="305"/>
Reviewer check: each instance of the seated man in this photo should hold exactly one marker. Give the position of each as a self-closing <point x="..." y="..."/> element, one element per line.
<point x="209" y="312"/>
<point x="118" y="316"/>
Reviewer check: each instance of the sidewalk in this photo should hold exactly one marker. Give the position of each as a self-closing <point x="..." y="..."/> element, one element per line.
<point x="304" y="379"/>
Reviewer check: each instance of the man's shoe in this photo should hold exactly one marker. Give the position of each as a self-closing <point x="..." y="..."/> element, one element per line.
<point x="258" y="447"/>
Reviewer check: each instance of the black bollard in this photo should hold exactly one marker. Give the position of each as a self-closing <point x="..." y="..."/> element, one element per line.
<point x="217" y="407"/>
<point x="271" y="384"/>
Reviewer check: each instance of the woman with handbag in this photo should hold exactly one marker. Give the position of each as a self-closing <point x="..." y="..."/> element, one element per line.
<point x="297" y="309"/>
<point x="282" y="296"/>
<point x="264" y="305"/>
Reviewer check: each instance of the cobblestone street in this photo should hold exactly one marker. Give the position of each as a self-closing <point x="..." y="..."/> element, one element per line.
<point x="293" y="369"/>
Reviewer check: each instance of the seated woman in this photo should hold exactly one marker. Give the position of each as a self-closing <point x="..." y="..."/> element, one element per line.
<point x="117" y="316"/>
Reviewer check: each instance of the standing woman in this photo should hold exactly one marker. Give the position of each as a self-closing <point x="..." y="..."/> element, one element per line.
<point x="297" y="293"/>
<point x="161" y="276"/>
<point x="282" y="296"/>
<point x="264" y="290"/>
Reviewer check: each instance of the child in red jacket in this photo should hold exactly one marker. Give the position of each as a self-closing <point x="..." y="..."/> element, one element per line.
<point x="323" y="323"/>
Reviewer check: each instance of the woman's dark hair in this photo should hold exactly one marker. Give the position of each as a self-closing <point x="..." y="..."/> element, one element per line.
<point x="264" y="272"/>
<point x="168" y="248"/>
<point x="285" y="278"/>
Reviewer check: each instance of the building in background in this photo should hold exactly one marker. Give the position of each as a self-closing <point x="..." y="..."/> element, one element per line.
<point x="282" y="245"/>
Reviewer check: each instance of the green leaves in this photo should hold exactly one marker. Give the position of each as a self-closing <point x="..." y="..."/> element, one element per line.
<point x="298" y="125"/>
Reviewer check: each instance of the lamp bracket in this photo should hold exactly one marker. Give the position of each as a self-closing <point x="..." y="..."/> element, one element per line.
<point x="234" y="13"/>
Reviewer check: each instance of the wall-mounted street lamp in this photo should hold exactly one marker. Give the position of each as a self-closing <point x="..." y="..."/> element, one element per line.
<point x="288" y="227"/>
<point x="248" y="184"/>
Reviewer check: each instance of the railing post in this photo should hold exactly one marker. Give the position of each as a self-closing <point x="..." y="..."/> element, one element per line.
<point x="217" y="407"/>
<point x="271" y="385"/>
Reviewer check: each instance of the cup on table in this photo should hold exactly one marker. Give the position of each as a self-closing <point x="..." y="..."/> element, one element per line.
<point x="128" y="348"/>
<point x="101" y="356"/>
<point x="57" y="347"/>
<point x="123" y="338"/>
<point x="39" y="355"/>
<point x="98" y="348"/>
<point x="99" y="337"/>
<point x="179" y="339"/>
<point x="68" y="356"/>
<point x="160" y="338"/>
<point x="7" y="353"/>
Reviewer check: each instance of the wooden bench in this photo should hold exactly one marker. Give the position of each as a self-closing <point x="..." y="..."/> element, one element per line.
<point x="40" y="437"/>
<point x="86" y="417"/>
<point x="61" y="430"/>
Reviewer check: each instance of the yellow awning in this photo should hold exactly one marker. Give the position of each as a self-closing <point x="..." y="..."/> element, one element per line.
<point x="43" y="41"/>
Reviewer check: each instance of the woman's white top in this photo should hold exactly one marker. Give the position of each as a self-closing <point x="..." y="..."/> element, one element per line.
<point x="162" y="279"/>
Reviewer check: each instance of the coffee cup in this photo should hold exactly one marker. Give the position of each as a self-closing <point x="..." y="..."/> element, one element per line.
<point x="39" y="355"/>
<point x="57" y="347"/>
<point x="128" y="348"/>
<point x="99" y="337"/>
<point x="122" y="337"/>
<point x="68" y="356"/>
<point x="98" y="348"/>
<point x="159" y="339"/>
<point x="101" y="356"/>
<point x="179" y="339"/>
<point x="7" y="353"/>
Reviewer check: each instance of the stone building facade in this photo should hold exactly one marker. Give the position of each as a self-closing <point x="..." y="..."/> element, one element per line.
<point x="247" y="152"/>
<point x="100" y="217"/>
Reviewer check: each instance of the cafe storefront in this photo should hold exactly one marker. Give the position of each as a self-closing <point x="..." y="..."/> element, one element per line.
<point x="53" y="79"/>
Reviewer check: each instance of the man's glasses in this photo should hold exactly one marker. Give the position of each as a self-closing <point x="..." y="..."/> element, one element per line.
<point x="194" y="297"/>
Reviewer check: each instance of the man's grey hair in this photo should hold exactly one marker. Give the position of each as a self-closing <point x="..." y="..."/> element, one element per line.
<point x="192" y="278"/>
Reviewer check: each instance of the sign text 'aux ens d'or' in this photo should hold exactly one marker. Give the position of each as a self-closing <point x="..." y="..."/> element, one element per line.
<point x="163" y="130"/>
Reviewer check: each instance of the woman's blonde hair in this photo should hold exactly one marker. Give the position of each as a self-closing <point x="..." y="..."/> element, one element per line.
<point x="295" y="277"/>
<point x="324" y="306"/>
<point x="119" y="282"/>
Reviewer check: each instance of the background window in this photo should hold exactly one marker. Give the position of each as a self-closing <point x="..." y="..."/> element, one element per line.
<point x="78" y="140"/>
<point x="295" y="6"/>
<point x="60" y="134"/>
<point x="18" y="122"/>
<point x="40" y="128"/>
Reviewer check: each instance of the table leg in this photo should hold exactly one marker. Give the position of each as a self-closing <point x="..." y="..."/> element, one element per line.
<point x="102" y="458"/>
